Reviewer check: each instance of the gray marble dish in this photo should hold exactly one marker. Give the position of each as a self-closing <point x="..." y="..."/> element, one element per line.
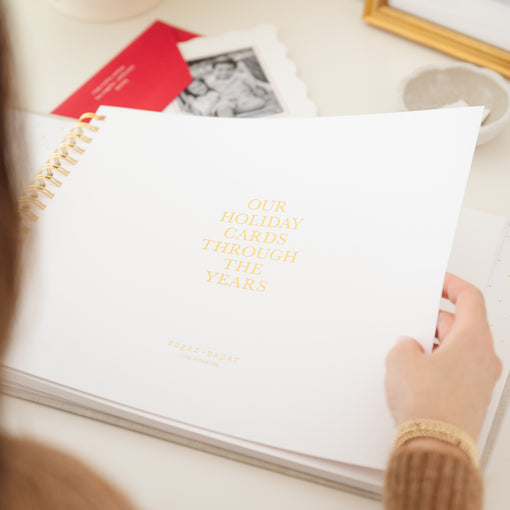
<point x="459" y="85"/>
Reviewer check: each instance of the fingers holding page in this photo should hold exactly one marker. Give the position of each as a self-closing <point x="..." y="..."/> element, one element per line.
<point x="445" y="321"/>
<point x="404" y="351"/>
<point x="468" y="300"/>
<point x="454" y="384"/>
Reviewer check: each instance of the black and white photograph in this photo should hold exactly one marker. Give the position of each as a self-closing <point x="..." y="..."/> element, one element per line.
<point x="231" y="84"/>
<point x="243" y="73"/>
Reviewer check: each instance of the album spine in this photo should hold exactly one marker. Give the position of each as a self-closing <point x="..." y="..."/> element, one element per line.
<point x="52" y="174"/>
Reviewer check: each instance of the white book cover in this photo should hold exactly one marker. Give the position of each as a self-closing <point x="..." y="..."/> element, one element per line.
<point x="247" y="276"/>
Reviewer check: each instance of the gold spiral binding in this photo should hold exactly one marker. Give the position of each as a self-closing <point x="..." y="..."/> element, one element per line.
<point x="57" y="156"/>
<point x="37" y="188"/>
<point x="72" y="146"/>
<point x="40" y="178"/>
<point x="80" y="136"/>
<point x="45" y="183"/>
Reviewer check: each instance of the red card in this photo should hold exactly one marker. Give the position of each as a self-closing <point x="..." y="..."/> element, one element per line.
<point x="149" y="74"/>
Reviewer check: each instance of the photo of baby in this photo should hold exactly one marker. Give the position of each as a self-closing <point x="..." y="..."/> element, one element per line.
<point x="229" y="85"/>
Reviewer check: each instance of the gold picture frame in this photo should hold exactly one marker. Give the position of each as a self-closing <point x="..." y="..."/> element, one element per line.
<point x="380" y="14"/>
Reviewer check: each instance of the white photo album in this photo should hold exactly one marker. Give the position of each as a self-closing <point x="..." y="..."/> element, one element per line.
<point x="237" y="291"/>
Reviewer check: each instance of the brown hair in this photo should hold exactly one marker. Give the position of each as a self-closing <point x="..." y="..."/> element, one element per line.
<point x="32" y="476"/>
<point x="9" y="223"/>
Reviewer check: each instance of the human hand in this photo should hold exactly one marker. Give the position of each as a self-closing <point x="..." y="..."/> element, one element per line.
<point x="454" y="384"/>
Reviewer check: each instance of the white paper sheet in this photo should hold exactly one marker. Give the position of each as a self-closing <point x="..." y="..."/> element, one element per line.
<point x="122" y="270"/>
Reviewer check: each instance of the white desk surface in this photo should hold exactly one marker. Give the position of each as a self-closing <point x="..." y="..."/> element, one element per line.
<point x="349" y="68"/>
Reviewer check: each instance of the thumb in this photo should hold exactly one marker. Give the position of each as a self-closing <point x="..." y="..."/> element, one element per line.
<point x="405" y="350"/>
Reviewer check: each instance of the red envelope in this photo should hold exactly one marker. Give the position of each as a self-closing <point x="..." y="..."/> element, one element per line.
<point x="149" y="74"/>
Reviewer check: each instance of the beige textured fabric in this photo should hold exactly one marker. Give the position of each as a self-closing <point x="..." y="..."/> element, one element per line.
<point x="37" y="477"/>
<point x="421" y="479"/>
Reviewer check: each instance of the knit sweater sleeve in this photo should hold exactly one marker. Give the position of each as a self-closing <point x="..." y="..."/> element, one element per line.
<point x="425" y="479"/>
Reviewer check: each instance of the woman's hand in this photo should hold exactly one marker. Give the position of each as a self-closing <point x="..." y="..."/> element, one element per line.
<point x="455" y="383"/>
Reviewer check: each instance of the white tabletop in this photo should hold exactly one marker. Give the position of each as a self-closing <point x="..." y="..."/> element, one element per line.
<point x="349" y="68"/>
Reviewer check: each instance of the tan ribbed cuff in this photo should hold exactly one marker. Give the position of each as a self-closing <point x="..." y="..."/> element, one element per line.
<point x="422" y="479"/>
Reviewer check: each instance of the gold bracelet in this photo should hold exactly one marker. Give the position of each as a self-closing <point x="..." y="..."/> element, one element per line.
<point x="437" y="430"/>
